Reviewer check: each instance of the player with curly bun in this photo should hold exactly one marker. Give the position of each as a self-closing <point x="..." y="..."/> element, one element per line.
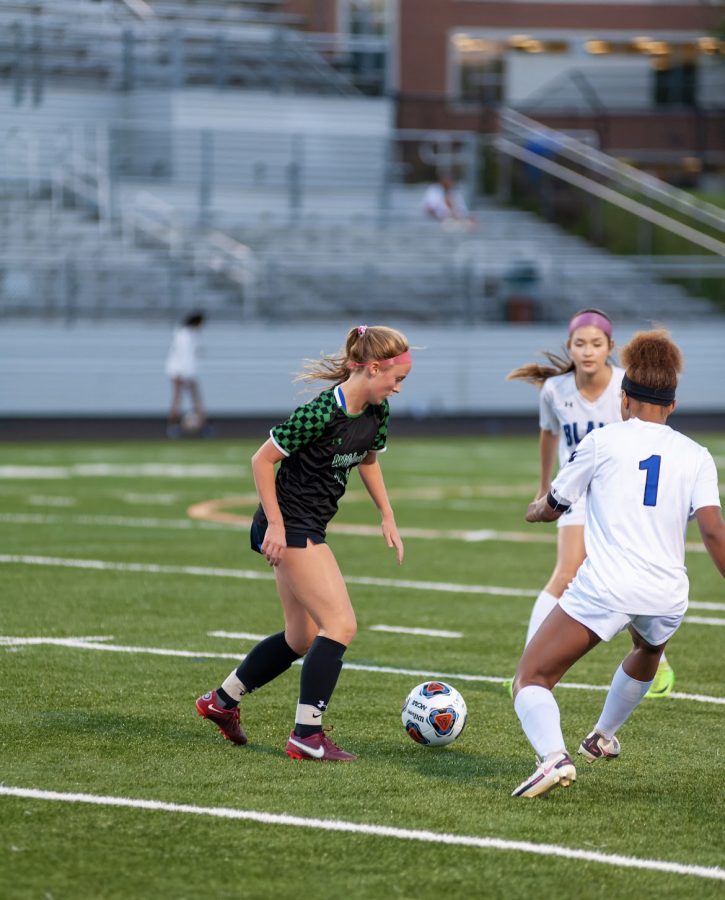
<point x="643" y="482"/>
<point x="579" y="391"/>
<point x="342" y="428"/>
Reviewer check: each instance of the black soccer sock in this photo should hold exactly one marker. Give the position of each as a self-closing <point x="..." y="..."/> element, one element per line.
<point x="227" y="701"/>
<point x="320" y="672"/>
<point x="265" y="661"/>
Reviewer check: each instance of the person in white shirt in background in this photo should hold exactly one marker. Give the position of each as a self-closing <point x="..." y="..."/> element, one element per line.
<point x="444" y="202"/>
<point x="643" y="482"/>
<point x="182" y="367"/>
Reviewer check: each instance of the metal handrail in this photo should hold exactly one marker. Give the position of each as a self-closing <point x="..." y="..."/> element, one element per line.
<point x="140" y="8"/>
<point x="519" y="126"/>
<point x="612" y="196"/>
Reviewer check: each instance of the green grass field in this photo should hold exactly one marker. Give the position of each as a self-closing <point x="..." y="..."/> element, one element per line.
<point x="111" y="717"/>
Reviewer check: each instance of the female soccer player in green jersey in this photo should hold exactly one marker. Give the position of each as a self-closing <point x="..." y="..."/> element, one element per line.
<point x="342" y="428"/>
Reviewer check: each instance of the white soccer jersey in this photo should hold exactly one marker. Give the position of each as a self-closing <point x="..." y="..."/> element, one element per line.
<point x="181" y="361"/>
<point x="563" y="410"/>
<point x="642" y="482"/>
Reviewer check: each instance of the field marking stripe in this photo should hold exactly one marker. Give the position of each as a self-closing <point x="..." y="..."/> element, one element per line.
<point x="428" y="632"/>
<point x="81" y="643"/>
<point x="250" y="574"/>
<point x="120" y="521"/>
<point x="229" y="521"/>
<point x="703" y="620"/>
<point x="394" y="629"/>
<point x="238" y="635"/>
<point x="122" y="470"/>
<point x="232" y="522"/>
<point x="385" y="831"/>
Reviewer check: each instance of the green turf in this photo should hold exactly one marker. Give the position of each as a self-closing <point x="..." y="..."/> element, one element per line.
<point x="123" y="724"/>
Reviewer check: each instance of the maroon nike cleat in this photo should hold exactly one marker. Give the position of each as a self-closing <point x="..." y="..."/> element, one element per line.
<point x="226" y="720"/>
<point x="316" y="746"/>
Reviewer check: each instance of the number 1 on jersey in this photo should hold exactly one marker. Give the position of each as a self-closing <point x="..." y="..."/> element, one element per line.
<point x="652" y="465"/>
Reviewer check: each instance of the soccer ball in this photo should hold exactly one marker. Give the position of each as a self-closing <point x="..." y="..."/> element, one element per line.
<point x="434" y="713"/>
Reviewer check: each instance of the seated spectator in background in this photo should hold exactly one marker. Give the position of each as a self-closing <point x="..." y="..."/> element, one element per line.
<point x="444" y="202"/>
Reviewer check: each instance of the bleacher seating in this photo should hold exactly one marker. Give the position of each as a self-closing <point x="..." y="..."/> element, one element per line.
<point x="312" y="193"/>
<point x="425" y="273"/>
<point x="247" y="45"/>
<point x="261" y="12"/>
<point x="58" y="262"/>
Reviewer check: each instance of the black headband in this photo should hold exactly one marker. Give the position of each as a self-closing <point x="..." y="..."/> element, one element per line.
<point x="647" y="394"/>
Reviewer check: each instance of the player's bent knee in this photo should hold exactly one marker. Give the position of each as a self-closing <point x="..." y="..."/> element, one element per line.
<point x="342" y="632"/>
<point x="299" y="641"/>
<point x="531" y="678"/>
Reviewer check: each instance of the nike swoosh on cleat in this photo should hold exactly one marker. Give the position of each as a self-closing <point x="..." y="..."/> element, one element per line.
<point x="318" y="754"/>
<point x="214" y="709"/>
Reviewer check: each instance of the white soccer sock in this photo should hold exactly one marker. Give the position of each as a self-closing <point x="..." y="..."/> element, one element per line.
<point x="538" y="713"/>
<point x="234" y="687"/>
<point x="624" y="695"/>
<point x="307" y="714"/>
<point x="544" y="604"/>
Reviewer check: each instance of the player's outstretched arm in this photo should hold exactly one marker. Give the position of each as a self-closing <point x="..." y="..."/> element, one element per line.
<point x="372" y="478"/>
<point x="712" y="530"/>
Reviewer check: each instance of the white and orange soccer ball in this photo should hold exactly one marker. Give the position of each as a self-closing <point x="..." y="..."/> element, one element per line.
<point x="434" y="713"/>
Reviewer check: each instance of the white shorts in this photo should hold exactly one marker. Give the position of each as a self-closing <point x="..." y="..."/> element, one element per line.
<point x="607" y="623"/>
<point x="575" y="515"/>
<point x="186" y="373"/>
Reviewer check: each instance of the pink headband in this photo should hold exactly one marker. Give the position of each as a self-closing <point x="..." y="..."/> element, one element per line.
<point x="403" y="359"/>
<point x="591" y="318"/>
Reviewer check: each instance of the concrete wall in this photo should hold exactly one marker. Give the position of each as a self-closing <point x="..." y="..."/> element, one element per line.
<point x="118" y="369"/>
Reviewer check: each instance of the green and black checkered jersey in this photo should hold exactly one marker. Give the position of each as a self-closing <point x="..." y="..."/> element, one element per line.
<point x="322" y="442"/>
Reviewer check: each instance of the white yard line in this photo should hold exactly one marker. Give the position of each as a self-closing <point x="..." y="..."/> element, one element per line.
<point x="371" y="830"/>
<point x="119" y="470"/>
<point x="701" y="620"/>
<point x="102" y="644"/>
<point x="253" y="575"/>
<point x="115" y="521"/>
<point x="238" y="635"/>
<point x="226" y="521"/>
<point x="429" y="632"/>
<point x="393" y="629"/>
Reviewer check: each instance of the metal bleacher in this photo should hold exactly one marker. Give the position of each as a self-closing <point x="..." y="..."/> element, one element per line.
<point x="176" y="44"/>
<point x="209" y="181"/>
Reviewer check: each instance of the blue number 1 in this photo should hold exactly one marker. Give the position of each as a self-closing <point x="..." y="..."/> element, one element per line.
<point x="652" y="465"/>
